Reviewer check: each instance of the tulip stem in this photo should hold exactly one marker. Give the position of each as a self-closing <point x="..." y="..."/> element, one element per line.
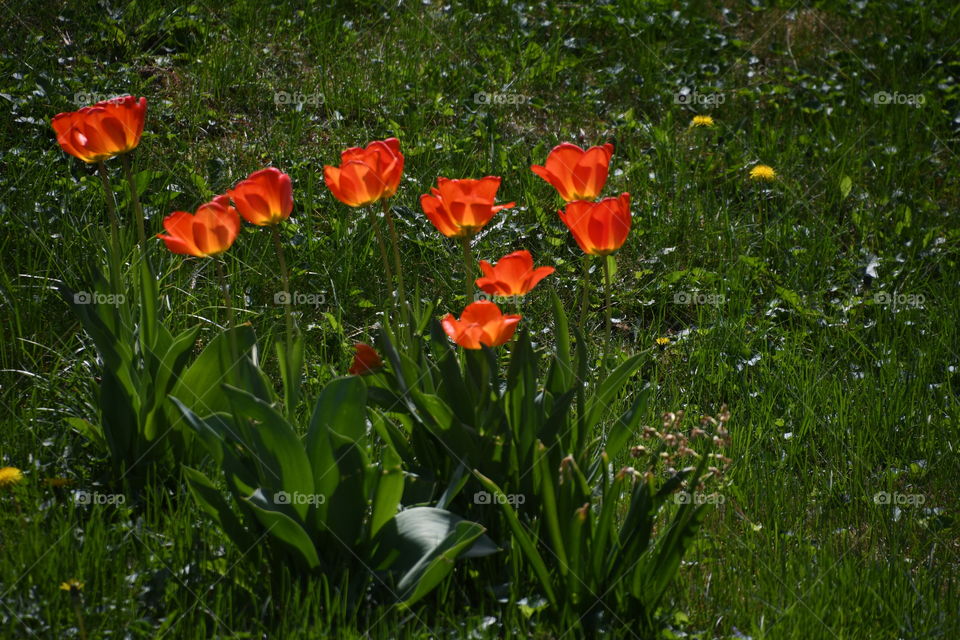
<point x="225" y="288"/>
<point x="468" y="268"/>
<point x="114" y="226"/>
<point x="395" y="240"/>
<point x="585" y="293"/>
<point x="607" y="310"/>
<point x="285" y="278"/>
<point x="135" y="199"/>
<point x="383" y="248"/>
<point x="290" y="387"/>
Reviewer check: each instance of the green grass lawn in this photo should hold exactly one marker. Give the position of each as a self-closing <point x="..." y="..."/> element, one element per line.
<point x="821" y="307"/>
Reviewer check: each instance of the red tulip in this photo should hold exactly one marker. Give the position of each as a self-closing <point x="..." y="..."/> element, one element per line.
<point x="513" y="275"/>
<point x="209" y="232"/>
<point x="460" y="208"/>
<point x="264" y="198"/>
<point x="576" y="174"/>
<point x="366" y="175"/>
<point x="600" y="228"/>
<point x="481" y="323"/>
<point x="365" y="360"/>
<point x="103" y="130"/>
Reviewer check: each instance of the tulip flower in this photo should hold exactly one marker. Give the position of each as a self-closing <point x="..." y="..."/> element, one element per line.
<point x="101" y="131"/>
<point x="209" y="232"/>
<point x="460" y="208"/>
<point x="576" y="174"/>
<point x="264" y="198"/>
<point x="365" y="360"/>
<point x="513" y="275"/>
<point x="600" y="228"/>
<point x="366" y="175"/>
<point x="481" y="324"/>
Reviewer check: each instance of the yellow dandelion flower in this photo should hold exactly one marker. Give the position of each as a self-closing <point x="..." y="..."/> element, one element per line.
<point x="763" y="172"/>
<point x="57" y="483"/>
<point x="663" y="341"/>
<point x="72" y="585"/>
<point x="10" y="476"/>
<point x="701" y="121"/>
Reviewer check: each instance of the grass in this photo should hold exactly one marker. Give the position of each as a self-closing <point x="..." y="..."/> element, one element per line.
<point x="836" y="395"/>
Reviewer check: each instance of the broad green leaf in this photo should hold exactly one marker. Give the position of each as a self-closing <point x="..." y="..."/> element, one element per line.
<point x="283" y="528"/>
<point x="421" y="544"/>
<point x="276" y="446"/>
<point x="389" y="491"/>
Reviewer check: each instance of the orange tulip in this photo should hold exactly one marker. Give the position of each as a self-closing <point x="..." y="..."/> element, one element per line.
<point x="600" y="228"/>
<point x="366" y="175"/>
<point x="481" y="323"/>
<point x="513" y="275"/>
<point x="365" y="360"/>
<point x="576" y="174"/>
<point x="103" y="130"/>
<point x="264" y="198"/>
<point x="209" y="232"/>
<point x="460" y="208"/>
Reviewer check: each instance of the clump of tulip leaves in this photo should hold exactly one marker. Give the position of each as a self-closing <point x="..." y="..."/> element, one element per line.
<point x="601" y="547"/>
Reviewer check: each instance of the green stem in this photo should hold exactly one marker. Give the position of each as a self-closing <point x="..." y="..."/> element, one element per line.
<point x="383" y="248"/>
<point x="135" y="199"/>
<point x="225" y="289"/>
<point x="607" y="310"/>
<point x="395" y="240"/>
<point x="79" y="613"/>
<point x="585" y="293"/>
<point x="292" y="375"/>
<point x="285" y="278"/>
<point x="468" y="268"/>
<point x="114" y="227"/>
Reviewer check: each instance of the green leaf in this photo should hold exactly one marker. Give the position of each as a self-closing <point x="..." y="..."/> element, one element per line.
<point x="526" y="544"/>
<point x="199" y="386"/>
<point x="609" y="388"/>
<point x="846" y="184"/>
<point x="290" y="359"/>
<point x="421" y="545"/>
<point x="210" y="500"/>
<point x="389" y="491"/>
<point x="283" y="528"/>
<point x="284" y="461"/>
<point x="341" y="408"/>
<point x="626" y="425"/>
<point x="549" y="507"/>
<point x="90" y="431"/>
